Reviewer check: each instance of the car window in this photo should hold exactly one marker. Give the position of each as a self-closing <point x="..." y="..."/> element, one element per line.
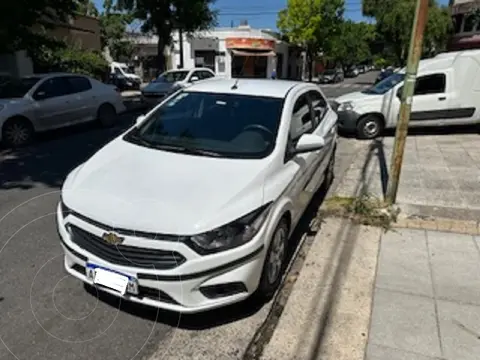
<point x="212" y="124"/>
<point x="207" y="75"/>
<point x="430" y="84"/>
<point x="302" y="121"/>
<point x="118" y="71"/>
<point x="53" y="87"/>
<point x="79" y="84"/>
<point x="197" y="74"/>
<point x="319" y="105"/>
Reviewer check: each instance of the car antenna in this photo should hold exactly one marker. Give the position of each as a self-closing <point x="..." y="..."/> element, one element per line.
<point x="235" y="86"/>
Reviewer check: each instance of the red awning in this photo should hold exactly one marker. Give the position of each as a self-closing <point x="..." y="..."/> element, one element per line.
<point x="253" y="53"/>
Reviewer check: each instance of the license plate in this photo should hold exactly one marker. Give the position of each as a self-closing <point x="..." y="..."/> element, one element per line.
<point x="111" y="279"/>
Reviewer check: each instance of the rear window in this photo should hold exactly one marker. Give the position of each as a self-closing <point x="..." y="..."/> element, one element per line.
<point x="79" y="84"/>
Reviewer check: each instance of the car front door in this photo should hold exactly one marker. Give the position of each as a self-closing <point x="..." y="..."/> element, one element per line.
<point x="325" y="125"/>
<point x="431" y="100"/>
<point x="52" y="104"/>
<point x="301" y="164"/>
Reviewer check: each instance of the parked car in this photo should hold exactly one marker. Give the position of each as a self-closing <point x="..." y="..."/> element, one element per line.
<point x="192" y="208"/>
<point x="124" y="76"/>
<point x="361" y="69"/>
<point x="50" y="101"/>
<point x="171" y="81"/>
<point x="385" y="73"/>
<point x="445" y="94"/>
<point x="352" y="72"/>
<point x="331" y="76"/>
<point x="122" y="83"/>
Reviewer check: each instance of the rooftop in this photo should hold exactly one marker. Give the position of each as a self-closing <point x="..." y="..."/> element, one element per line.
<point x="252" y="87"/>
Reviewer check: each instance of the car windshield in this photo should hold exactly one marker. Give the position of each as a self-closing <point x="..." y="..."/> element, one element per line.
<point x="386" y="84"/>
<point x="212" y="124"/>
<point x="172" y="76"/>
<point x="17" y="88"/>
<point x="329" y="72"/>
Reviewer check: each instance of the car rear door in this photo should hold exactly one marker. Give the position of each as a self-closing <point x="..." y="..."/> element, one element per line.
<point x="52" y="106"/>
<point x="84" y="100"/>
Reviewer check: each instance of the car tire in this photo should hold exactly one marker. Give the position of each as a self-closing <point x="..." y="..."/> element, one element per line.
<point x="106" y="115"/>
<point x="369" y="127"/>
<point x="274" y="264"/>
<point x="17" y="132"/>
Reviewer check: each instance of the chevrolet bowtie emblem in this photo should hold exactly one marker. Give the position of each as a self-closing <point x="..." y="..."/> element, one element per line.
<point x="112" y="239"/>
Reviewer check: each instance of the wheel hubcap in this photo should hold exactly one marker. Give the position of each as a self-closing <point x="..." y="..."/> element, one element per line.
<point x="371" y="128"/>
<point x="277" y="253"/>
<point x="16" y="134"/>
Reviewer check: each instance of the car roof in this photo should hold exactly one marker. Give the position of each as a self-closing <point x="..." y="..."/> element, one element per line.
<point x="190" y="69"/>
<point x="252" y="87"/>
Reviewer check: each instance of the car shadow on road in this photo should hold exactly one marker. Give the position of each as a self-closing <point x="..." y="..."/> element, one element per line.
<point x="224" y="315"/>
<point x="54" y="154"/>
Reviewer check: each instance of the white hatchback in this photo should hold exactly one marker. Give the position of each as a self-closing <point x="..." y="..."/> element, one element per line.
<point x="192" y="208"/>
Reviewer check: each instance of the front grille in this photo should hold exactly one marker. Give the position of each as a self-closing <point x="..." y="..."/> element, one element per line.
<point x="123" y="254"/>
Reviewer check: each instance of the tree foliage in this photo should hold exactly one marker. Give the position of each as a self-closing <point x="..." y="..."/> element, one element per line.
<point x="23" y="22"/>
<point x="394" y="19"/>
<point x="113" y="26"/>
<point x="352" y="44"/>
<point x="311" y="24"/>
<point x="163" y="16"/>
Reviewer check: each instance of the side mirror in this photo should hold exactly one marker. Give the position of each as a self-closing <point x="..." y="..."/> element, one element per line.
<point x="194" y="78"/>
<point x="309" y="143"/>
<point x="399" y="92"/>
<point x="140" y="119"/>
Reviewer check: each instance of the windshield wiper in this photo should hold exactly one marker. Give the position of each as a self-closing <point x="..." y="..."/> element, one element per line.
<point x="186" y="150"/>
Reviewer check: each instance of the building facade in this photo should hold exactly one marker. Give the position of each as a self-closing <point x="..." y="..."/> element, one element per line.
<point x="465" y="17"/>
<point x="230" y="52"/>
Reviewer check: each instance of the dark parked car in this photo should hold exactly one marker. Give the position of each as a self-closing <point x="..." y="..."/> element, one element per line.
<point x="352" y="72"/>
<point x="122" y="83"/>
<point x="383" y="75"/>
<point x="331" y="76"/>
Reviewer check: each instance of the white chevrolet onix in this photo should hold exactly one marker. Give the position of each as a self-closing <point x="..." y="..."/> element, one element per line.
<point x="192" y="208"/>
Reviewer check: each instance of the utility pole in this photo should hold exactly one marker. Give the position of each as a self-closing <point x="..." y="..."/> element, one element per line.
<point x="414" y="54"/>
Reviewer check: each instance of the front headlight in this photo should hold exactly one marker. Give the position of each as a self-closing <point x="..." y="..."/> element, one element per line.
<point x="231" y="235"/>
<point x="346" y="106"/>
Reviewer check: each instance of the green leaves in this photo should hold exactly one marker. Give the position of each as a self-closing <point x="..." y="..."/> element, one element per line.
<point x="394" y="19"/>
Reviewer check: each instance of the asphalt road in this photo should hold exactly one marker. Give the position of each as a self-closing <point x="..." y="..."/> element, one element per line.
<point x="46" y="314"/>
<point x="359" y="83"/>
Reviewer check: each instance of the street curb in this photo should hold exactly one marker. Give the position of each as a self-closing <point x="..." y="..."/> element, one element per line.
<point x="327" y="315"/>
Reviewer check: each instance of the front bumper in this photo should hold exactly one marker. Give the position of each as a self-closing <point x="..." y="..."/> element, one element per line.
<point x="151" y="100"/>
<point x="198" y="284"/>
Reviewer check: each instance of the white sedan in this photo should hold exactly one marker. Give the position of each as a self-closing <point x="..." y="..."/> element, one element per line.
<point x="192" y="208"/>
<point x="51" y="101"/>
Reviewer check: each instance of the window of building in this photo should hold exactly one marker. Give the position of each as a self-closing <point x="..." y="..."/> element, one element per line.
<point x="470" y="23"/>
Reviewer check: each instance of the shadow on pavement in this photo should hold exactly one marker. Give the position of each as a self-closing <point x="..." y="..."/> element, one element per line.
<point x="221" y="316"/>
<point x="54" y="154"/>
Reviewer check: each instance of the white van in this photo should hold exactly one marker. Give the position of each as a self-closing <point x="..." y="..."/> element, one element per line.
<point x="447" y="92"/>
<point x="117" y="68"/>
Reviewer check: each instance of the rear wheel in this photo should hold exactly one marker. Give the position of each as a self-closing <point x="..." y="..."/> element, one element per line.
<point x="106" y="115"/>
<point x="369" y="127"/>
<point x="17" y="132"/>
<point x="274" y="262"/>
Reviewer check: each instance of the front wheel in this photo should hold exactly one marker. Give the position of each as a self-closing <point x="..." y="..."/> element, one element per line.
<point x="17" y="132"/>
<point x="369" y="127"/>
<point x="274" y="262"/>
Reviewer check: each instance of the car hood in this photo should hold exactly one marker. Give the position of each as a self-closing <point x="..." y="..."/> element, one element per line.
<point x="158" y="87"/>
<point x="132" y="187"/>
<point x="360" y="100"/>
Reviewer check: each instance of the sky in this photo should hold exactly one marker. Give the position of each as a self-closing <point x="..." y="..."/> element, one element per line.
<point x="263" y="13"/>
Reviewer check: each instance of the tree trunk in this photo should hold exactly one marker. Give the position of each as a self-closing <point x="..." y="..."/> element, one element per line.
<point x="310" y="65"/>
<point x="161" y="61"/>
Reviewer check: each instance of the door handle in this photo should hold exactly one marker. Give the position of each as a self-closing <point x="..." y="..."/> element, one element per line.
<point x="441" y="98"/>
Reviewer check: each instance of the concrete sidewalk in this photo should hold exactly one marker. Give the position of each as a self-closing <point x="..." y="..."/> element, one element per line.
<point x="327" y="314"/>
<point x="427" y="297"/>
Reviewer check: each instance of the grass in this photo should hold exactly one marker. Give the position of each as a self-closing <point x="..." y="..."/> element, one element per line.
<point x="365" y="210"/>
